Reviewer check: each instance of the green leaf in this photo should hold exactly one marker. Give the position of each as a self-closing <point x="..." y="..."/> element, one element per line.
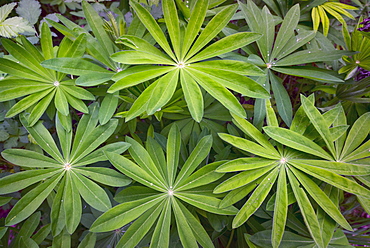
<point x="77" y="92"/>
<point x="227" y="44"/>
<point x="140" y="227"/>
<point x="152" y="26"/>
<point x="219" y="92"/>
<point x="195" y="23"/>
<point x="256" y="199"/>
<point x="239" y="67"/>
<point x="5" y="10"/>
<point x="307" y="56"/>
<point x="235" y="82"/>
<point x="243" y="164"/>
<point x="296" y="141"/>
<point x="143" y="159"/>
<point x="254" y="133"/>
<point x="321" y="198"/>
<point x="93" y="194"/>
<point x="98" y="155"/>
<point x="104" y="175"/>
<point x="29" y="158"/>
<point x="39" y="108"/>
<point x="173" y="26"/>
<point x="60" y="102"/>
<point x="74" y="66"/>
<point x="96" y="24"/>
<point x="27" y="102"/>
<point x="242" y="179"/>
<point x="93" y="79"/>
<point x="140" y="57"/>
<point x="138" y="74"/>
<point x="46" y="41"/>
<point x="197" y="228"/>
<point x="57" y="216"/>
<point x="134" y="171"/>
<point x="286" y="30"/>
<point x="203" y="176"/>
<point x="71" y="204"/>
<point x="193" y="96"/>
<point x="296" y="42"/>
<point x="214" y="27"/>
<point x="21" y="180"/>
<point x="334" y="179"/>
<point x="163" y="91"/>
<point x="280" y="209"/>
<point x="282" y="98"/>
<point x="199" y="153"/>
<point x="319" y="123"/>
<point x="350" y="169"/>
<point x="95" y="138"/>
<point x="248" y="146"/>
<point x="207" y="203"/>
<point x="161" y="234"/>
<point x="357" y="134"/>
<point x="173" y="153"/>
<point x="88" y="241"/>
<point x="108" y="108"/>
<point x="43" y="139"/>
<point x="307" y="210"/>
<point x="4" y="200"/>
<point x="308" y="72"/>
<point x="19" y="70"/>
<point x="186" y="234"/>
<point x="124" y="213"/>
<point x="31" y="201"/>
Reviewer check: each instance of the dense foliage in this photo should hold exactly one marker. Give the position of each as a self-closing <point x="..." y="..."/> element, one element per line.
<point x="212" y="123"/>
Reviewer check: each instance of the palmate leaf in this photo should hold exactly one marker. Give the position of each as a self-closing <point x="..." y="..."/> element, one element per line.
<point x="66" y="168"/>
<point x="164" y="188"/>
<point x="47" y="87"/>
<point x="257" y="174"/>
<point x="177" y="65"/>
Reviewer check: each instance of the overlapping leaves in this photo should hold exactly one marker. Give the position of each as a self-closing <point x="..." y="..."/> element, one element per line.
<point x="163" y="193"/>
<point x="280" y="54"/>
<point x="286" y="166"/>
<point x="184" y="62"/>
<point x="64" y="170"/>
<point x="40" y="87"/>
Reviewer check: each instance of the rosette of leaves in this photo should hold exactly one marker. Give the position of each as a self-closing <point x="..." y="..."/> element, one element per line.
<point x="65" y="171"/>
<point x="315" y="151"/>
<point x="184" y="62"/>
<point x="164" y="193"/>
<point x="279" y="54"/>
<point x="356" y="42"/>
<point x="40" y="86"/>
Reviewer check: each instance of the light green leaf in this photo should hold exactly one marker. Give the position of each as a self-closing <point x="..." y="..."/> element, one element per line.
<point x="321" y="198"/>
<point x="134" y="171"/>
<point x="13" y="26"/>
<point x="350" y="169"/>
<point x="88" y="241"/>
<point x="239" y="67"/>
<point x="31" y="201"/>
<point x="242" y="164"/>
<point x="307" y="210"/>
<point x="138" y="74"/>
<point x="296" y="141"/>
<point x="195" y="23"/>
<point x="280" y="209"/>
<point x="124" y="213"/>
<point x="152" y="26"/>
<point x="248" y="146"/>
<point x="173" y="153"/>
<point x="193" y="96"/>
<point x="39" y="109"/>
<point x="71" y="204"/>
<point x="308" y="72"/>
<point x="242" y="179"/>
<point x="256" y="199"/>
<point x="46" y="41"/>
<point x="28" y="158"/>
<point x="173" y="26"/>
<point x="74" y="66"/>
<point x="92" y="193"/>
<point x="199" y="153"/>
<point x="13" y="68"/>
<point x="207" y="203"/>
<point x="108" y="108"/>
<point x="60" y="102"/>
<point x="219" y="92"/>
<point x="186" y="234"/>
<point x="140" y="57"/>
<point x="104" y="175"/>
<point x="161" y="234"/>
<point x="227" y="44"/>
<point x="214" y="27"/>
<point x="140" y="227"/>
<point x="282" y="98"/>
